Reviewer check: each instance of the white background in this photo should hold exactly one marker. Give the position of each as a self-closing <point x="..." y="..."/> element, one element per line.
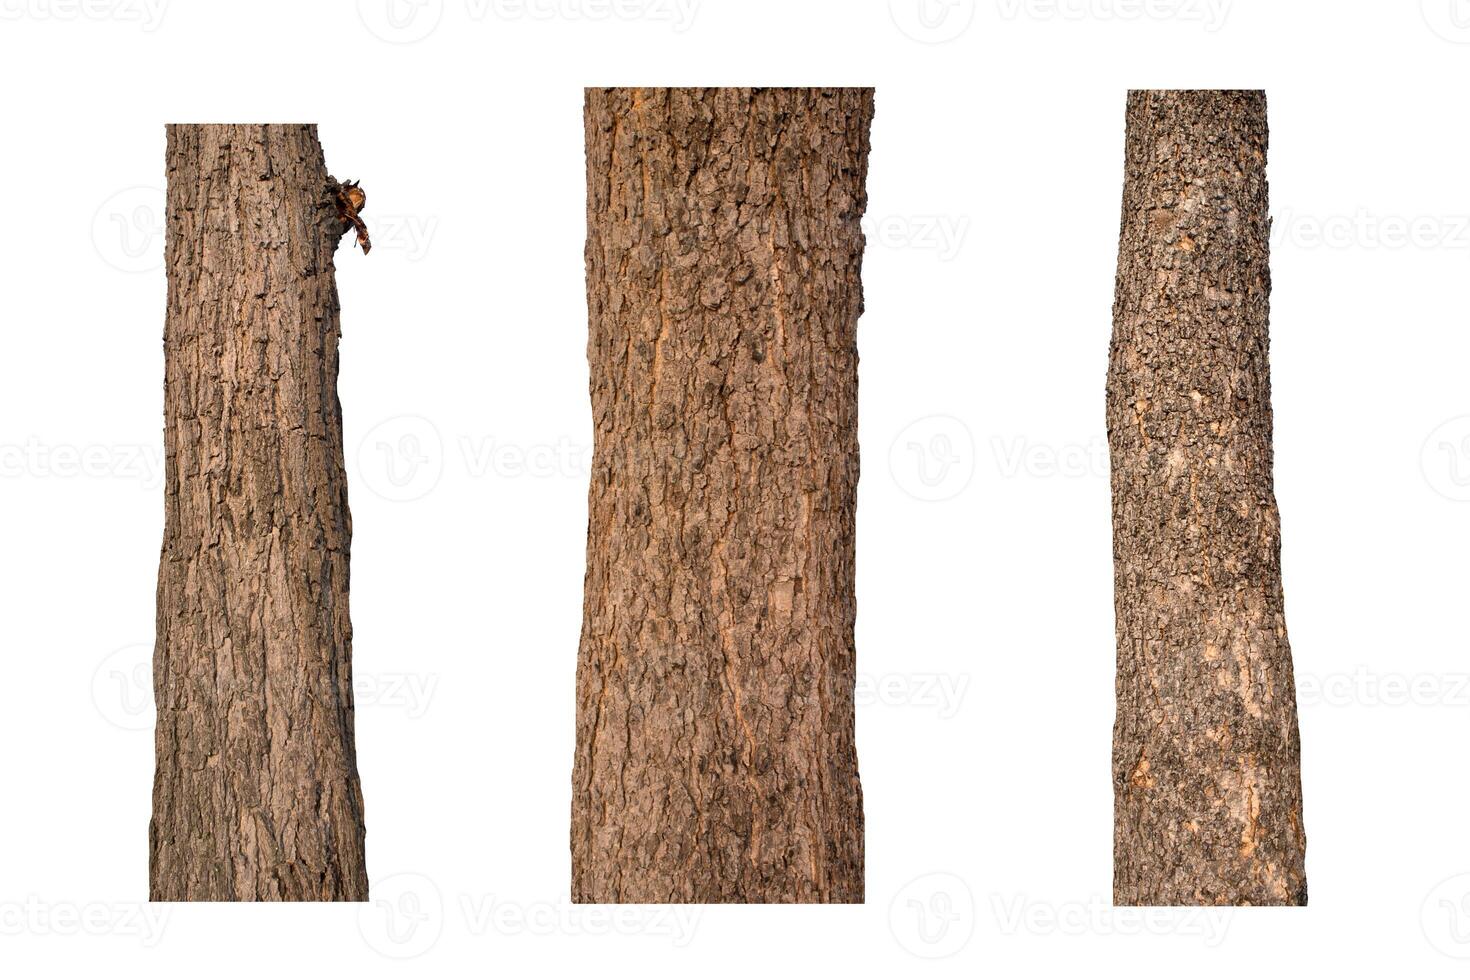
<point x="985" y="634"/>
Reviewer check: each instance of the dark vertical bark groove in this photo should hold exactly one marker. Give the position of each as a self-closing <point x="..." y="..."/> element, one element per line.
<point x="1206" y="757"/>
<point x="256" y="793"/>
<point x="715" y="753"/>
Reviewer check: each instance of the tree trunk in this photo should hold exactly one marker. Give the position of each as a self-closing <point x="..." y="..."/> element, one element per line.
<point x="1206" y="757"/>
<point x="256" y="793"/>
<point x="715" y="758"/>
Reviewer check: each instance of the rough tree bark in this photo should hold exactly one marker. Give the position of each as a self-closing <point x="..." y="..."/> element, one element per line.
<point x="256" y="793"/>
<point x="715" y="757"/>
<point x="1206" y="757"/>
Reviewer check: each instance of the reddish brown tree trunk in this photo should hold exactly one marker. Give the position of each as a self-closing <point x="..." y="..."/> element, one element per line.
<point x="715" y="758"/>
<point x="1206" y="759"/>
<point x="256" y="792"/>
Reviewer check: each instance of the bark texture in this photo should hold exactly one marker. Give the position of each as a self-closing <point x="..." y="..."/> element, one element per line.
<point x="256" y="793"/>
<point x="715" y="756"/>
<point x="1206" y="757"/>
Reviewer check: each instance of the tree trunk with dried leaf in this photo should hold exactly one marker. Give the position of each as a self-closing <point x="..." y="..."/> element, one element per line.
<point x="256" y="793"/>
<point x="1206" y="756"/>
<point x="715" y="755"/>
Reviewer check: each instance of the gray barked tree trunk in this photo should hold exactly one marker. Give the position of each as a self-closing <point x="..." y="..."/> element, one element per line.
<point x="256" y="793"/>
<point x="1206" y="757"/>
<point x="715" y="756"/>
